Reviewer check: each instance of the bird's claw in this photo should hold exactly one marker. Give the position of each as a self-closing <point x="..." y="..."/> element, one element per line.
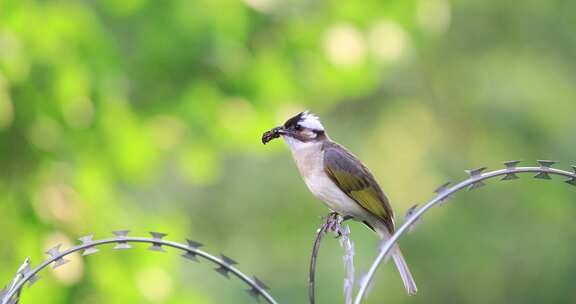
<point x="333" y="223"/>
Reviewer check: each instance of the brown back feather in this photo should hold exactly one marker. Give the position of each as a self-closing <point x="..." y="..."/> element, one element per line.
<point x="354" y="179"/>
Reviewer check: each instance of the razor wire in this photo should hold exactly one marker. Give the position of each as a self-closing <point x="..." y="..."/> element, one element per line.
<point x="445" y="191"/>
<point x="191" y="251"/>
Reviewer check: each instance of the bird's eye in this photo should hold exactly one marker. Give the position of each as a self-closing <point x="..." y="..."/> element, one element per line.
<point x="298" y="127"/>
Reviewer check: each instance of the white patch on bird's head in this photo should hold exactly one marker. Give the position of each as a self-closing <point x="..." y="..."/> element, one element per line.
<point x="303" y="130"/>
<point x="310" y="121"/>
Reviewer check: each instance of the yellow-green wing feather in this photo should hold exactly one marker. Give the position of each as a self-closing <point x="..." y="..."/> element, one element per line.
<point x="354" y="179"/>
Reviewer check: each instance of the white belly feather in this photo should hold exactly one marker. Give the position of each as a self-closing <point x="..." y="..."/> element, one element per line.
<point x="309" y="158"/>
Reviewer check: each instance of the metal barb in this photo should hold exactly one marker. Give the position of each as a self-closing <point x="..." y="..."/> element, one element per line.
<point x="157" y="236"/>
<point x="121" y="233"/>
<point x="194" y="245"/>
<point x="409" y="214"/>
<point x="475" y="186"/>
<point x="511" y="164"/>
<point x="54" y="252"/>
<point x="509" y="176"/>
<point x="571" y="181"/>
<point x="35" y="278"/>
<point x="122" y="245"/>
<point x="542" y="175"/>
<point x="59" y="262"/>
<point x="85" y="241"/>
<point x="190" y="256"/>
<point x="120" y="236"/>
<point x="25" y="267"/>
<point x="228" y="261"/>
<point x="223" y="270"/>
<point x="261" y="284"/>
<point x="442" y="188"/>
<point x="546" y="163"/>
<point x="574" y="168"/>
<point x="253" y="292"/>
<point x="475" y="172"/>
<point x="89" y="251"/>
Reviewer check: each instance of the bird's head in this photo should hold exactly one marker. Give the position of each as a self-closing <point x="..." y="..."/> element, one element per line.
<point x="304" y="127"/>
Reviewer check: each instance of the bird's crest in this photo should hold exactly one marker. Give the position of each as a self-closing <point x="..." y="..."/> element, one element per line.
<point x="310" y="121"/>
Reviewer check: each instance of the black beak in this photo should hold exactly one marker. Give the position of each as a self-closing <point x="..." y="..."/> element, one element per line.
<point x="272" y="134"/>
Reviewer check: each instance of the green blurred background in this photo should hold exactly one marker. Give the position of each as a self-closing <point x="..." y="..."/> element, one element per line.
<point x="147" y="115"/>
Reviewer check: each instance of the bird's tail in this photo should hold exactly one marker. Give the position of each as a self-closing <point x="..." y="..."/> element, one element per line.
<point x="401" y="265"/>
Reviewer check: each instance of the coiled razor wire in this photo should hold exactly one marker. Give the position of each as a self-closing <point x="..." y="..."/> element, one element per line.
<point x="476" y="178"/>
<point x="191" y="251"/>
<point x="88" y="246"/>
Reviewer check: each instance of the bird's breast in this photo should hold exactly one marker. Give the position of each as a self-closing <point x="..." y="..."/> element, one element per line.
<point x="310" y="163"/>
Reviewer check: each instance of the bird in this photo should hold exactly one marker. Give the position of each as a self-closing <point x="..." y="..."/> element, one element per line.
<point x="340" y="180"/>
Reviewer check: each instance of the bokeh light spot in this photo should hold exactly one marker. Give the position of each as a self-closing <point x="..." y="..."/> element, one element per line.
<point x="388" y="40"/>
<point x="79" y="113"/>
<point x="155" y="284"/>
<point x="433" y="16"/>
<point x="6" y="106"/>
<point x="168" y="131"/>
<point x="45" y="133"/>
<point x="344" y="45"/>
<point x="263" y="6"/>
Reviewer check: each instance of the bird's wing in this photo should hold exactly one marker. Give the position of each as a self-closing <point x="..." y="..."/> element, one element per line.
<point x="354" y="179"/>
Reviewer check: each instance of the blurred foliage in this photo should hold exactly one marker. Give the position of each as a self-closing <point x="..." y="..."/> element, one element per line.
<point x="147" y="115"/>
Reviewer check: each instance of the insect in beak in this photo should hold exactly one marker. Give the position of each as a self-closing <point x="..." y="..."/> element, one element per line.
<point x="274" y="133"/>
